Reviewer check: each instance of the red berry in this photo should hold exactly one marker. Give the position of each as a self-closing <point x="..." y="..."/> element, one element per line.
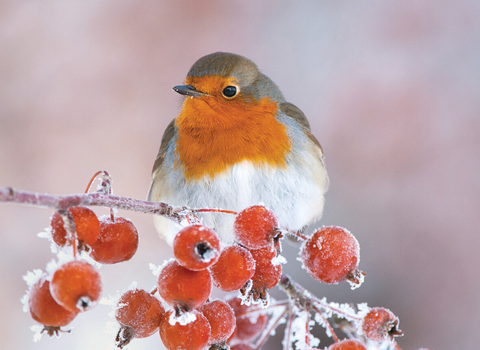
<point x="182" y="288"/>
<point x="44" y="309"/>
<point x="233" y="269"/>
<point x="192" y="336"/>
<point x="196" y="247"/>
<point x="249" y="320"/>
<point x="380" y="324"/>
<point x="87" y="226"/>
<point x="347" y="344"/>
<point x="117" y="241"/>
<point x="267" y="274"/>
<point x="139" y="313"/>
<point x="221" y="318"/>
<point x="331" y="254"/>
<point x="255" y="227"/>
<point x="76" y="286"/>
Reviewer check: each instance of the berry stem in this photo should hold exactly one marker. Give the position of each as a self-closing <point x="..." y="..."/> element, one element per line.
<point x="205" y="210"/>
<point x="259" y="310"/>
<point x="272" y="326"/>
<point x="297" y="234"/>
<point x="327" y="324"/>
<point x="106" y="182"/>
<point x="287" y="343"/>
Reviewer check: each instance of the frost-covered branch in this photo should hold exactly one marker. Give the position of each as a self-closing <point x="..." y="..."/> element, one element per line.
<point x="60" y="202"/>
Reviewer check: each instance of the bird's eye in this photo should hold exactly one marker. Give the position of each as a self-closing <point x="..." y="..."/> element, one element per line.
<point x="230" y="91"/>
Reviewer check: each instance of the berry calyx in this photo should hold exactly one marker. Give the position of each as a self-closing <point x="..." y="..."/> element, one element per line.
<point x="76" y="285"/>
<point x="331" y="255"/>
<point x="87" y="226"/>
<point x="139" y="314"/>
<point x="347" y="344"/>
<point x="193" y="335"/>
<point x="196" y="247"/>
<point x="380" y="324"/>
<point x="182" y="288"/>
<point x="233" y="269"/>
<point x="255" y="227"/>
<point x="117" y="241"/>
<point x="44" y="309"/>
<point x="221" y="318"/>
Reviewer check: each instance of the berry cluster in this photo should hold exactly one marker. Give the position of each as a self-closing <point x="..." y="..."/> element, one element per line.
<point x="74" y="285"/>
<point x="180" y="307"/>
<point x="185" y="284"/>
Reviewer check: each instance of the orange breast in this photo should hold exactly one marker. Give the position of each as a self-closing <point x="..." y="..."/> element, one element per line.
<point x="214" y="133"/>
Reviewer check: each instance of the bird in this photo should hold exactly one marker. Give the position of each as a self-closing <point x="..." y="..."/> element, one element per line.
<point x="237" y="143"/>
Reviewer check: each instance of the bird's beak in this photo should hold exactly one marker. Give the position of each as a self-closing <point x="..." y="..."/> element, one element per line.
<point x="188" y="90"/>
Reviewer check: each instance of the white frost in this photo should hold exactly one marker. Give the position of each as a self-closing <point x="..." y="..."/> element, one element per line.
<point x="88" y="258"/>
<point x="64" y="256"/>
<point x="298" y="334"/>
<point x="47" y="234"/>
<point x="37" y="329"/>
<point x="363" y="310"/>
<point x="183" y="319"/>
<point x="156" y="269"/>
<point x="32" y="277"/>
<point x="209" y="255"/>
<point x="279" y="259"/>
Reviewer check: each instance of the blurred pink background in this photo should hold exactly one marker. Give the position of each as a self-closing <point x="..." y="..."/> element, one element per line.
<point x="392" y="92"/>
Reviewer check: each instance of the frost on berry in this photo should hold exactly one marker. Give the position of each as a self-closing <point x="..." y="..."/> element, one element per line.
<point x="221" y="317"/>
<point x="183" y="289"/>
<point x="331" y="255"/>
<point x="193" y="335"/>
<point x="380" y="324"/>
<point x="44" y="309"/>
<point x="76" y="286"/>
<point x="255" y="227"/>
<point x="233" y="269"/>
<point x="139" y="314"/>
<point x="347" y="344"/>
<point x="267" y="274"/>
<point x="196" y="247"/>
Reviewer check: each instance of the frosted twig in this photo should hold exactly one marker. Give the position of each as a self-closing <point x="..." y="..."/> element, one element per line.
<point x="287" y="342"/>
<point x="301" y="297"/>
<point x="62" y="203"/>
<point x="273" y="323"/>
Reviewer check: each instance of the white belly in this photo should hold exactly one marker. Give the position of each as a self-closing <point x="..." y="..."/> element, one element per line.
<point x="295" y="194"/>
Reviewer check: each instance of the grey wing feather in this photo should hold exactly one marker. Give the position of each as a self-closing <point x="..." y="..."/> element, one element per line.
<point x="166" y="138"/>
<point x="296" y="114"/>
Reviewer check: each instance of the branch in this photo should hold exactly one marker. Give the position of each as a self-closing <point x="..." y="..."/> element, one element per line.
<point x="62" y="203"/>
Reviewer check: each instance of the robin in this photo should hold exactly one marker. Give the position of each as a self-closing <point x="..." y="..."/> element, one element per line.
<point x="237" y="143"/>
